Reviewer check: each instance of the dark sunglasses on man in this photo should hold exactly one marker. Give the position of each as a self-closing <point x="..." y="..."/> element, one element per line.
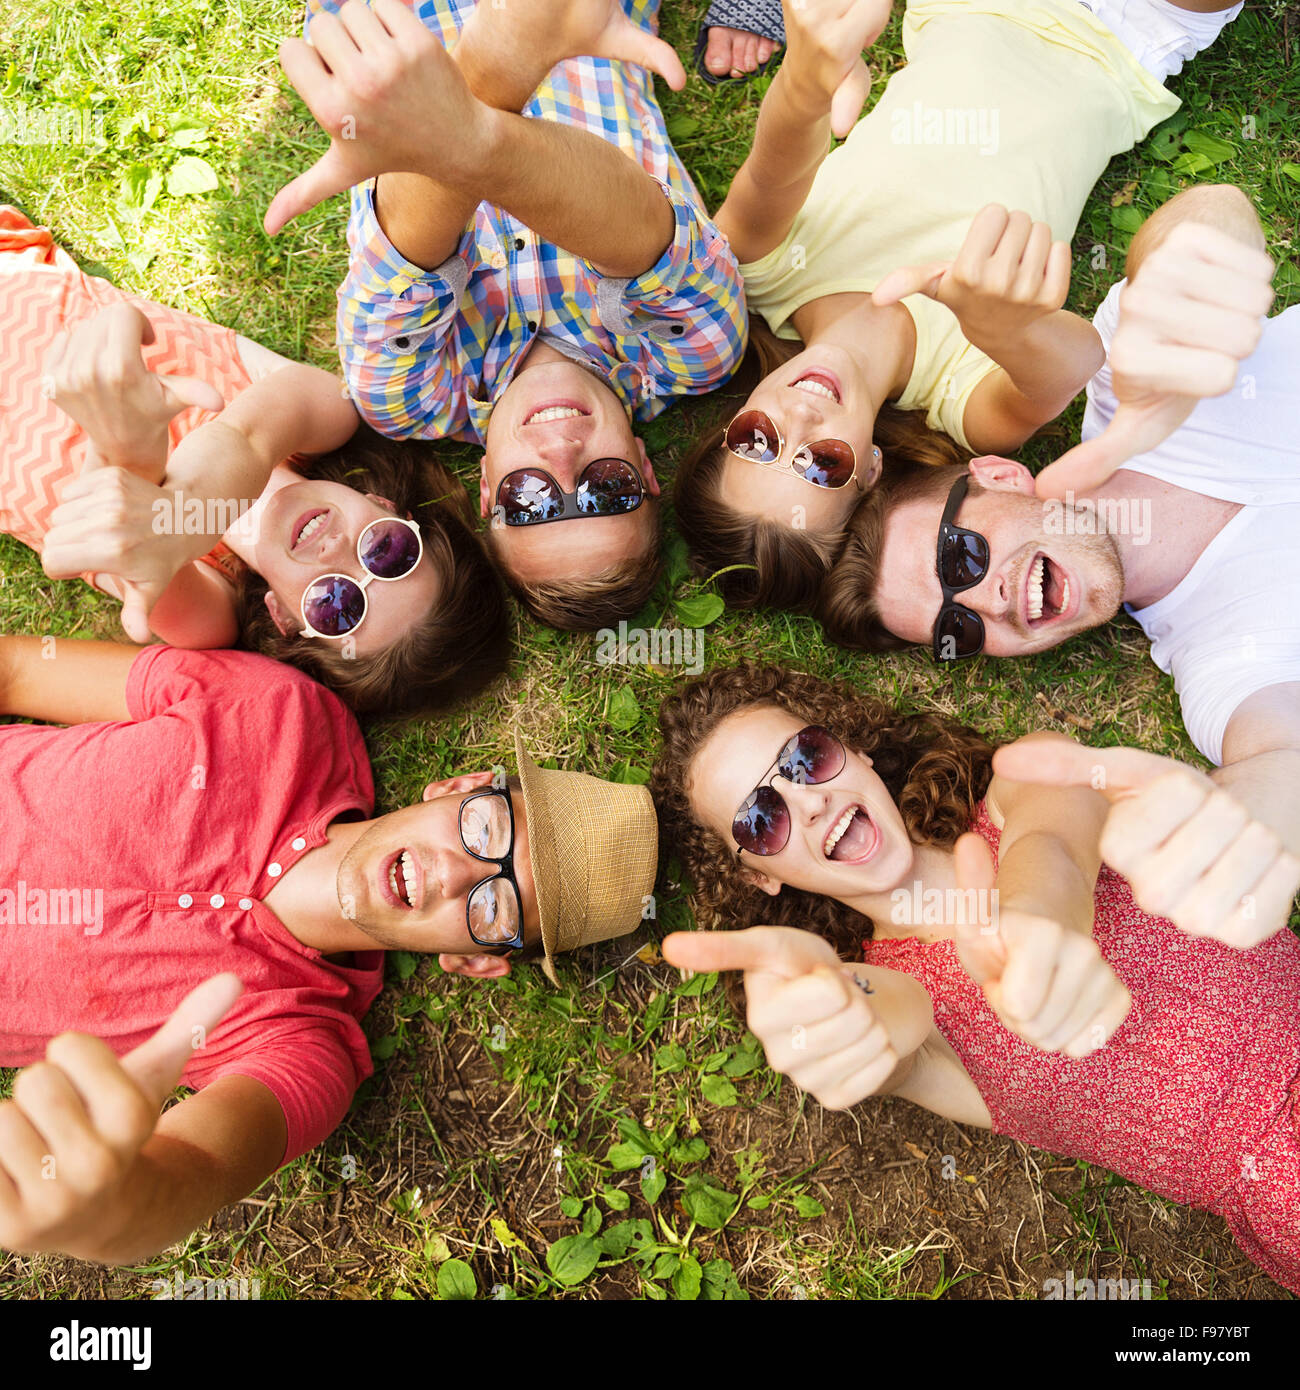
<point x="961" y="561"/>
<point x="762" y="824"/>
<point x="606" y="487"/>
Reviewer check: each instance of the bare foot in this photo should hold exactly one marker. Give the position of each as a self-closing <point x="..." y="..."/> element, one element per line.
<point x="733" y="52"/>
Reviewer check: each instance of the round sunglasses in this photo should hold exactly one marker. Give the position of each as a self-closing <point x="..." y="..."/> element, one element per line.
<point x="762" y="824"/>
<point x="961" y="561"/>
<point x="755" y="437"/>
<point x="606" y="487"/>
<point x="335" y="605"/>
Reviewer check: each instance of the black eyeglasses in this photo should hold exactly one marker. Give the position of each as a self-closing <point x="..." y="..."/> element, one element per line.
<point x="494" y="912"/>
<point x="606" y="487"/>
<point x="762" y="824"/>
<point x="961" y="561"/>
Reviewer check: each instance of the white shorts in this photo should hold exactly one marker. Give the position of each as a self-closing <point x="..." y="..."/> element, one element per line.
<point x="1161" y="36"/>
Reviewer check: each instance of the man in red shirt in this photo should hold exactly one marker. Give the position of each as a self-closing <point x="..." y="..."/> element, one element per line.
<point x="192" y="890"/>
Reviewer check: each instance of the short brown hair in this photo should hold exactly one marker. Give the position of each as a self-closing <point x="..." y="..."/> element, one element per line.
<point x="935" y="769"/>
<point x="768" y="564"/>
<point x="597" y="600"/>
<point x="459" y="647"/>
<point x="847" y="605"/>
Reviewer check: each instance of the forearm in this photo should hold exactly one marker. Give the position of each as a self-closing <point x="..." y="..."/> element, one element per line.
<point x="579" y="192"/>
<point x="1046" y="367"/>
<point x="64" y="680"/>
<point x="1261" y="759"/>
<point x="197" y="611"/>
<point x="147" y="457"/>
<point x="1268" y="786"/>
<point x="423" y="220"/>
<point x="792" y="137"/>
<point x="903" y="1007"/>
<point x="229" y="461"/>
<point x="1043" y="875"/>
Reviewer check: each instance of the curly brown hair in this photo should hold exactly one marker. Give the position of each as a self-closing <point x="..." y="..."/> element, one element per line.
<point x="935" y="769"/>
<point x="768" y="564"/>
<point x="459" y="647"/>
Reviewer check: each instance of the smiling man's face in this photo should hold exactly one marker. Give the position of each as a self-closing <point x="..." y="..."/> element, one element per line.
<point x="407" y="880"/>
<point x="558" y="418"/>
<point x="1043" y="585"/>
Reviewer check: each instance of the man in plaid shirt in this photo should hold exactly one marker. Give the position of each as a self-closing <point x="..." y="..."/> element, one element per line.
<point x="532" y="268"/>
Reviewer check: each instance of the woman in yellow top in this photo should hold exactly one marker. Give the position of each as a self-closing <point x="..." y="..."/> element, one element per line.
<point x="901" y="296"/>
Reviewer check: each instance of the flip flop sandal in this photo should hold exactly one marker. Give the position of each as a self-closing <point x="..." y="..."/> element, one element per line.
<point x="761" y="17"/>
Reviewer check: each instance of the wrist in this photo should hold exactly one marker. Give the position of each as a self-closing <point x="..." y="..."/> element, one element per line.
<point x="803" y="95"/>
<point x="488" y="142"/>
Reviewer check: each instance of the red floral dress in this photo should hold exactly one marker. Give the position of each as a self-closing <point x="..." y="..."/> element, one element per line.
<point x="1196" y="1097"/>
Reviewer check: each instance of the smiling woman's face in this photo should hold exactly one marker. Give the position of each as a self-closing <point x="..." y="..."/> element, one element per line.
<point x="818" y="395"/>
<point x="846" y="835"/>
<point x="311" y="528"/>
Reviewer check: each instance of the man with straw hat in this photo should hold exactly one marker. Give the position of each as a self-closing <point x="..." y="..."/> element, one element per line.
<point x="194" y="890"/>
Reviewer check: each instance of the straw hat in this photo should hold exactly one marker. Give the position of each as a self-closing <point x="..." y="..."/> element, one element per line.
<point x="594" y="847"/>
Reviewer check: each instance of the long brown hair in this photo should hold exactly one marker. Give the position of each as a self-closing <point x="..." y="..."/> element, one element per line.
<point x="779" y="567"/>
<point x="847" y="605"/>
<point x="935" y="769"/>
<point x="462" y="643"/>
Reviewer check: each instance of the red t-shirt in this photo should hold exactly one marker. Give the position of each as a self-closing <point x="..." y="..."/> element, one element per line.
<point x="133" y="857"/>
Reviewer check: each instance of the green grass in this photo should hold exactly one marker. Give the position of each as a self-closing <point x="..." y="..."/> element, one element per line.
<point x="558" y="1113"/>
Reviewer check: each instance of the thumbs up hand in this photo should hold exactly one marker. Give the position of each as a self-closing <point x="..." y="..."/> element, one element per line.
<point x="113" y="521"/>
<point x="388" y="95"/>
<point x="1008" y="274"/>
<point x="1190" y="851"/>
<point x="95" y="373"/>
<point x="1048" y="982"/>
<point x="1192" y="314"/>
<point x="78" y="1120"/>
<point x="815" y="1022"/>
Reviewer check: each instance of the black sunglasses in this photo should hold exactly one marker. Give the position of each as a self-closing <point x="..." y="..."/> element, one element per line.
<point x="606" y="487"/>
<point x="494" y="911"/>
<point x="961" y="561"/>
<point x="762" y="824"/>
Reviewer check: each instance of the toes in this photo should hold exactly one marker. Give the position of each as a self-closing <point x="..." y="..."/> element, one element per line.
<point x="719" y="56"/>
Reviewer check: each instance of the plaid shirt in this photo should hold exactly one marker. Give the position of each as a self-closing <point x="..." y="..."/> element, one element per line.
<point x="427" y="353"/>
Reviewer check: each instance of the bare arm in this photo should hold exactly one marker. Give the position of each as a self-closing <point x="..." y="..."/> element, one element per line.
<point x="1039" y="374"/>
<point x="208" y="1151"/>
<point x="64" y="680"/>
<point x="817" y="93"/>
<point x="792" y="137"/>
<point x="380" y="83"/>
<point x="1049" y="854"/>
<point x="1261" y="760"/>
<point x="87" y="1167"/>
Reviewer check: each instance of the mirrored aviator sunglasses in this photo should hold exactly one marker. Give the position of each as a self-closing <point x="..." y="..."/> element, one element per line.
<point x="753" y="436"/>
<point x="336" y="604"/>
<point x="762" y="824"/>
<point x="606" y="487"/>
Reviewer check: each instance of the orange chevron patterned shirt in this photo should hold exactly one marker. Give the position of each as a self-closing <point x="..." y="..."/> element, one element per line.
<point x="42" y="292"/>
